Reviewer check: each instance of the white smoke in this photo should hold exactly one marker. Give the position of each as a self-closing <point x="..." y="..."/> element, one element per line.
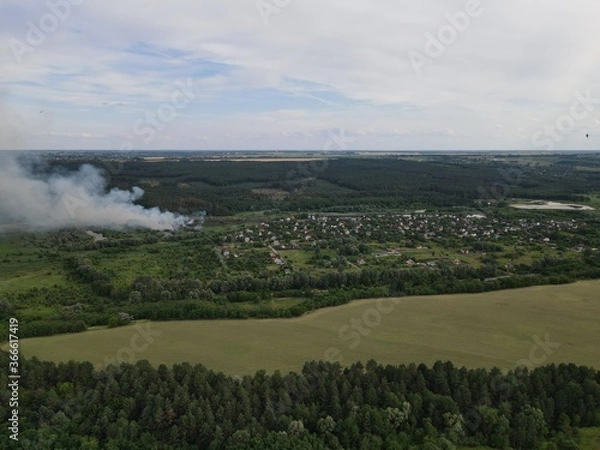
<point x="76" y="199"/>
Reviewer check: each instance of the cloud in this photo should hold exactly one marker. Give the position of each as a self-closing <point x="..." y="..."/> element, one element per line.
<point x="342" y="62"/>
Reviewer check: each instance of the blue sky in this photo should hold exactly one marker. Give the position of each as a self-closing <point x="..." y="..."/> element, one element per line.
<point x="249" y="74"/>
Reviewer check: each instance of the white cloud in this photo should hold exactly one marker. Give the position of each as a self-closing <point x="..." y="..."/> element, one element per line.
<point x="335" y="63"/>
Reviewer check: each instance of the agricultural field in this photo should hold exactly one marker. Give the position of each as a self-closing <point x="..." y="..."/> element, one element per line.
<point x="530" y="326"/>
<point x="590" y="439"/>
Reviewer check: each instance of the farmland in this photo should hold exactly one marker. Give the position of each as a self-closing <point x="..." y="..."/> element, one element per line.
<point x="476" y="330"/>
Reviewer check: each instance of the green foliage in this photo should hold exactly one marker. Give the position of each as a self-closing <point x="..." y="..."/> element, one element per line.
<point x="350" y="184"/>
<point x="70" y="405"/>
<point x="227" y="272"/>
<point x="50" y="327"/>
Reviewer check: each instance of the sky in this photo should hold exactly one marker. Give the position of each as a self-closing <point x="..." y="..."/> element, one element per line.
<point x="299" y="75"/>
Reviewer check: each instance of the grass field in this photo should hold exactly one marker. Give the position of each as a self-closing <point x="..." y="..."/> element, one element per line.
<point x="590" y="439"/>
<point x="502" y="328"/>
<point x="20" y="267"/>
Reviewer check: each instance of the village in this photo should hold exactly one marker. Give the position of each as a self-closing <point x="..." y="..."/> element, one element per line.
<point x="417" y="238"/>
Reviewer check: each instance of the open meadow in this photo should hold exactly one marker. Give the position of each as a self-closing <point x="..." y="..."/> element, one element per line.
<point x="531" y="326"/>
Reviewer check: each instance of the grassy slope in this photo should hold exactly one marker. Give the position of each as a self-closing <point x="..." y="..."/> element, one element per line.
<point x="476" y="330"/>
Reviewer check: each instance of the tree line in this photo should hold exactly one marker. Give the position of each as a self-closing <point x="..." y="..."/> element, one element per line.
<point x="324" y="406"/>
<point x="246" y="296"/>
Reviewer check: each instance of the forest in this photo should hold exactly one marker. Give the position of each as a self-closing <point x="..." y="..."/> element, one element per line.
<point x="346" y="183"/>
<point x="325" y="406"/>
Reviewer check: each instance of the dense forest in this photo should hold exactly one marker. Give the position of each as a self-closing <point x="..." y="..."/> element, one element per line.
<point x="326" y="406"/>
<point x="347" y="183"/>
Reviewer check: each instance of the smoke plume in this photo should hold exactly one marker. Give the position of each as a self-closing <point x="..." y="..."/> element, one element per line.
<point x="75" y="199"/>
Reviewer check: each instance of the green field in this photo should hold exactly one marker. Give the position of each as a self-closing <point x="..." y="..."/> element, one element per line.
<point x="477" y="330"/>
<point x="590" y="439"/>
